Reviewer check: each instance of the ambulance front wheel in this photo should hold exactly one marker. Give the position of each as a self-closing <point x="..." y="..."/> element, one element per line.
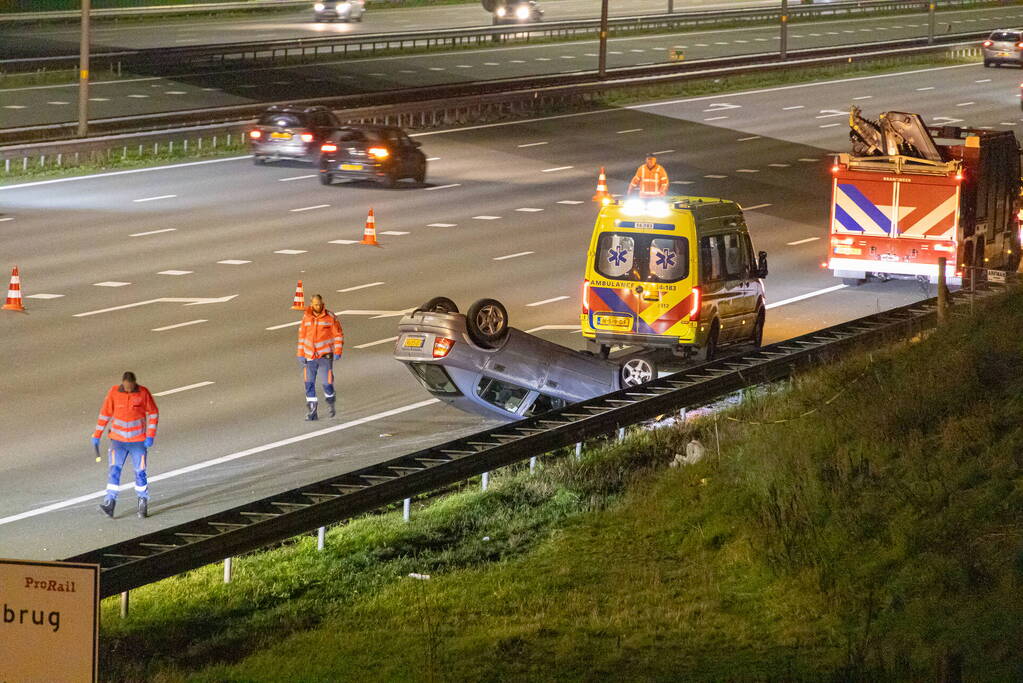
<point x="709" y="350"/>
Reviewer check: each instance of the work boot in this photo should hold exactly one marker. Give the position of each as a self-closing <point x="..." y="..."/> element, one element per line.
<point x="143" y="508"/>
<point x="330" y="407"/>
<point x="311" y="417"/>
<point x="107" y="506"/>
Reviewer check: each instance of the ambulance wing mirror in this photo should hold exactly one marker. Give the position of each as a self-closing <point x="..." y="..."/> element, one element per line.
<point x="762" y="264"/>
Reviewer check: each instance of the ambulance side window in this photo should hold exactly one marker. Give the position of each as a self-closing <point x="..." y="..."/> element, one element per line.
<point x="711" y="264"/>
<point x="736" y="263"/>
<point x="615" y="255"/>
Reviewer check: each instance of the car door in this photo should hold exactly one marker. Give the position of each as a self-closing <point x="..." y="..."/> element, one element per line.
<point x="736" y="283"/>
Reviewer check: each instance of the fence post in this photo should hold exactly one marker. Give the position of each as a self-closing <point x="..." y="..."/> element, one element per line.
<point x="486" y="480"/>
<point x="532" y="465"/>
<point x="943" y="292"/>
<point x="124" y="605"/>
<point x="320" y="537"/>
<point x="578" y="450"/>
<point x="227" y="569"/>
<point x="406" y="509"/>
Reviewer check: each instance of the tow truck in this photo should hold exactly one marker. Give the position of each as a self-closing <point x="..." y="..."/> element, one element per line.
<point x="901" y="200"/>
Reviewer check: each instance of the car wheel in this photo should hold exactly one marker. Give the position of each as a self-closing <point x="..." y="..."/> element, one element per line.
<point x="710" y="347"/>
<point x="439" y="304"/>
<point x="987" y="63"/>
<point x="389" y="180"/>
<point x="637" y="370"/>
<point x="758" y="329"/>
<point x="487" y="323"/>
<point x="258" y="160"/>
<point x="326" y="178"/>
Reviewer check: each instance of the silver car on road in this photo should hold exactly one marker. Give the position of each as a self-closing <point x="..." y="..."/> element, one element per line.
<point x="1004" y="46"/>
<point x="479" y="364"/>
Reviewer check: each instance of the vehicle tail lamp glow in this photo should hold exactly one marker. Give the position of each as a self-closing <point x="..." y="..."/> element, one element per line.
<point x="501" y="11"/>
<point x="1019" y="45"/>
<point x="255" y="134"/>
<point x="379" y="152"/>
<point x="307" y="137"/>
<point x="318" y="7"/>
<point x="586" y="297"/>
<point x="442" y="347"/>
<point x="694" y="312"/>
<point x="328" y="147"/>
<point x="522" y="12"/>
<point x="959" y="176"/>
<point x="988" y="43"/>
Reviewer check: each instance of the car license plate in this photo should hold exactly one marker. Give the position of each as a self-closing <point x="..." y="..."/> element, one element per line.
<point x="413" y="342"/>
<point x="351" y="167"/>
<point x="889" y="257"/>
<point x="281" y="136"/>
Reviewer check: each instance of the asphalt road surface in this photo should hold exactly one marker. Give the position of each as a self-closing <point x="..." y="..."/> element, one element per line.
<point x="148" y="94"/>
<point x="112" y="264"/>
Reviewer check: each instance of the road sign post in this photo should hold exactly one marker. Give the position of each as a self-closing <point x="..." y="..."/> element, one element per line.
<point x="83" y="72"/>
<point x="49" y="621"/>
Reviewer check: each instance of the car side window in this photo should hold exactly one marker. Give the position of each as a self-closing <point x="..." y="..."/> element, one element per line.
<point x="544" y="404"/>
<point x="736" y="263"/>
<point x="504" y="395"/>
<point x="711" y="264"/>
<point x="751" y="256"/>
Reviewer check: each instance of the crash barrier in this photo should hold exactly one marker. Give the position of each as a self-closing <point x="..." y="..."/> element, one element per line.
<point x="161" y="554"/>
<point x="445" y="106"/>
<point x="311" y="49"/>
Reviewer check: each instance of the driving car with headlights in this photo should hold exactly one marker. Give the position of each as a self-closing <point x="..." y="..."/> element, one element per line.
<point x="385" y="154"/>
<point x="518" y="13"/>
<point x="339" y="10"/>
<point x="477" y="363"/>
<point x="288" y="132"/>
<point x="674" y="273"/>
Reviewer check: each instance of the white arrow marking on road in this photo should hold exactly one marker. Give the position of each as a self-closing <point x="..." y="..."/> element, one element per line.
<point x="194" y="301"/>
<point x="721" y="106"/>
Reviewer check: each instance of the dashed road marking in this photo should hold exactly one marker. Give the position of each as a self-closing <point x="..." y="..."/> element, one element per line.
<point x="175" y="272"/>
<point x="779" y="165"/>
<point x="433" y="158"/>
<point x="99" y="99"/>
<point x="556" y="169"/>
<point x="396" y="233"/>
<point x="714" y="176"/>
<point x="509" y="256"/>
<point x="441" y="225"/>
<point x="281" y="327"/>
<point x="528" y="209"/>
<point x="152" y="232"/>
<point x="111" y="283"/>
<point x="547" y="301"/>
<point x="197" y="385"/>
<point x="663" y="151"/>
<point x="358" y="287"/>
<point x="234" y="262"/>
<point x="747" y="139"/>
<point x="43" y="296"/>
<point x="290" y="252"/>
<point x="629" y="130"/>
<point x="808" y="160"/>
<point x="747" y="170"/>
<point x="58" y="102"/>
<point x="175" y="92"/>
<point x="486" y="218"/>
<point x="829" y="125"/>
<point x="864" y="97"/>
<point x="716" y="118"/>
<point x="443" y="187"/>
<point x="309" y="208"/>
<point x="795" y="106"/>
<point x="532" y="144"/>
<point x="965" y="104"/>
<point x="172" y="327"/>
<point x="296" y="177"/>
<point x="983" y="80"/>
<point x="376" y="343"/>
<point x="681" y="182"/>
<point x="803" y="241"/>
<point x="139" y="97"/>
<point x="570" y="202"/>
<point x="929" y="87"/>
<point x="754" y="207"/>
<point x="802" y="297"/>
<point x="153" y="199"/>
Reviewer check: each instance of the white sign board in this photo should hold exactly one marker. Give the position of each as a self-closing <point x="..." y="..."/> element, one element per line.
<point x="996" y="276"/>
<point x="49" y="622"/>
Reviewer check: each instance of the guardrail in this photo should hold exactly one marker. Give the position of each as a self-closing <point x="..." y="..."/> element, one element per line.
<point x="310" y="49"/>
<point x="153" y="10"/>
<point x="441" y="106"/>
<point x="139" y="561"/>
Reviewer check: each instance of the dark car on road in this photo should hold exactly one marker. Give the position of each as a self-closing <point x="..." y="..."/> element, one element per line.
<point x="339" y="10"/>
<point x="384" y="154"/>
<point x="477" y="363"/>
<point x="286" y="132"/>
<point x="523" y="12"/>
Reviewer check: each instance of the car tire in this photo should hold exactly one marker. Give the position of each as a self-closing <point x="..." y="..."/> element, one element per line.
<point x="326" y="178"/>
<point x="389" y="180"/>
<point x="987" y="64"/>
<point x="710" y="346"/>
<point x="439" y="304"/>
<point x="636" y="370"/>
<point x="487" y="323"/>
<point x="258" y="160"/>
<point x="757" y="338"/>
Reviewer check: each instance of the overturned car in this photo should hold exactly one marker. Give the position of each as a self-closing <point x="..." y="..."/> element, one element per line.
<point x="479" y="364"/>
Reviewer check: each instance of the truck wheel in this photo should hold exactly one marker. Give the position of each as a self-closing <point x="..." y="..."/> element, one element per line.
<point x="487" y="323"/>
<point x="710" y="347"/>
<point x="758" y="329"/>
<point x="439" y="304"/>
<point x="637" y="370"/>
<point x="853" y="281"/>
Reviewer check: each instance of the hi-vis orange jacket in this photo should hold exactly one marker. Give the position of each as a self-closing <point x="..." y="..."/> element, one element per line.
<point x="319" y="335"/>
<point x="132" y="415"/>
<point x="652" y="182"/>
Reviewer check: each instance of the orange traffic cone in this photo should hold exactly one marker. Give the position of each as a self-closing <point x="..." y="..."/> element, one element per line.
<point x="14" y="293"/>
<point x="369" y="235"/>
<point x="602" y="192"/>
<point x="299" y="303"/>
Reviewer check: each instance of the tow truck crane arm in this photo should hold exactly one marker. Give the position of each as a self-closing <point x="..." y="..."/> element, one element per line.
<point x="895" y="133"/>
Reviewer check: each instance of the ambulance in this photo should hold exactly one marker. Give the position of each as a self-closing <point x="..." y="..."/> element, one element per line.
<point x="674" y="273"/>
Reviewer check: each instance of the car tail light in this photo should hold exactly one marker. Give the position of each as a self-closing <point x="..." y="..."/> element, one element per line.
<point x="307" y="137"/>
<point x="694" y="311"/>
<point x="442" y="347"/>
<point x="586" y="297"/>
<point x="379" y="152"/>
<point x="255" y="134"/>
<point x="328" y="147"/>
<point x="1019" y="45"/>
<point x="959" y="176"/>
<point x="988" y="43"/>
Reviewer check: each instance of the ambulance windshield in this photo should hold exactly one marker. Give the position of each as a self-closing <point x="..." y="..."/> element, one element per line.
<point x="637" y="257"/>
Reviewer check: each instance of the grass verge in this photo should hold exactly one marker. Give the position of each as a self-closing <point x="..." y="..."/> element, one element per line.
<point x="863" y="522"/>
<point x="132" y="158"/>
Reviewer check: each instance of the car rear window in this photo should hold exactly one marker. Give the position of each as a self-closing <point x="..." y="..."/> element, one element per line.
<point x="281" y="120"/>
<point x="642" y="258"/>
<point x="504" y="395"/>
<point x="1004" y="37"/>
<point x="357" y="135"/>
<point x="435" y="378"/>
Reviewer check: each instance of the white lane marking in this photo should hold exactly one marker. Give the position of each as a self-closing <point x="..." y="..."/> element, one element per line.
<point x="795" y="106"/>
<point x="803" y="241"/>
<point x="808" y="160"/>
<point x="779" y="165"/>
<point x="1006" y="123"/>
<point x="505" y="258"/>
<point x="441" y="225"/>
<point x="532" y="144"/>
<point x="175" y="272"/>
<point x="153" y="199"/>
<point x="375" y="343"/>
<point x="681" y="182"/>
<point x="175" y="92"/>
<point x="8" y="218"/>
<point x="111" y="283"/>
<point x="357" y="287"/>
<point x="171" y="327"/>
<point x="309" y="208"/>
<point x="802" y="297"/>
<point x="864" y="97"/>
<point x="99" y="99"/>
<point x="486" y="218"/>
<point x="543" y="59"/>
<point x="715" y="176"/>
<point x="43" y="296"/>
<point x="983" y="80"/>
<point x="570" y="202"/>
<point x="571" y="328"/>
<point x="396" y="233"/>
<point x="139" y="97"/>
<point x="929" y="87"/>
<point x="223" y="459"/>
<point x="663" y="151"/>
<point x="58" y="102"/>
<point x="556" y="169"/>
<point x="343" y="242"/>
<point x="829" y="113"/>
<point x="747" y="139"/>
<point x="443" y="187"/>
<point x="178" y="390"/>
<point x="754" y="207"/>
<point x="437" y="68"/>
<point x="629" y="130"/>
<point x="290" y="252"/>
<point x="151" y="232"/>
<point x="296" y="177"/>
<point x="547" y="301"/>
<point x="281" y="327"/>
<point x="234" y="262"/>
<point x="433" y="158"/>
<point x="715" y="118"/>
<point x="189" y="301"/>
<point x="829" y="125"/>
<point x="528" y="209"/>
<point x="965" y="104"/>
<point x="747" y="170"/>
<point x="149" y="169"/>
<point x="460" y="66"/>
<point x="562" y="56"/>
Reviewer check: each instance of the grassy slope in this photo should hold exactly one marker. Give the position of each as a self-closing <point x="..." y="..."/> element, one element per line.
<point x="867" y="540"/>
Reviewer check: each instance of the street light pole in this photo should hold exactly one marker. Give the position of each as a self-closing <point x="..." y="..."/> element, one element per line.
<point x="602" y="64"/>
<point x="83" y="73"/>
<point x="784" y="43"/>
<point x="930" y="22"/>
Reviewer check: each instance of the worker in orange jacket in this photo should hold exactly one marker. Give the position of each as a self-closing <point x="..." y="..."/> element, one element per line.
<point x="320" y="341"/>
<point x="651" y="179"/>
<point x="130" y="412"/>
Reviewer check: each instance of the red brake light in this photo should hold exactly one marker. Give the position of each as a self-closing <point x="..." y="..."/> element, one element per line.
<point x="379" y="152"/>
<point x="1019" y="44"/>
<point x="988" y="43"/>
<point x="442" y="346"/>
<point x="694" y="312"/>
<point x="328" y="147"/>
<point x="255" y="134"/>
<point x="307" y="137"/>
<point x="586" y="297"/>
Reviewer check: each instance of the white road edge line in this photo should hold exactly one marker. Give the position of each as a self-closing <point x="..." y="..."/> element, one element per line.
<point x="556" y="168"/>
<point x="754" y="207"/>
<point x="505" y="258"/>
<point x="151" y="232"/>
<point x="801" y="297"/>
<point x="153" y="199"/>
<point x="573" y="328"/>
<point x="178" y="390"/>
<point x="171" y="327"/>
<point x="547" y="301"/>
<point x="352" y="289"/>
<point x="443" y="187"/>
<point x="221" y="460"/>
<point x="296" y="177"/>
<point x="281" y="327"/>
<point x="309" y="208"/>
<point x="803" y="241"/>
<point x="376" y="343"/>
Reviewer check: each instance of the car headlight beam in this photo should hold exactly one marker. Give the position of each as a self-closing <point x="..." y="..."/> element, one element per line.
<point x="522" y="12"/>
